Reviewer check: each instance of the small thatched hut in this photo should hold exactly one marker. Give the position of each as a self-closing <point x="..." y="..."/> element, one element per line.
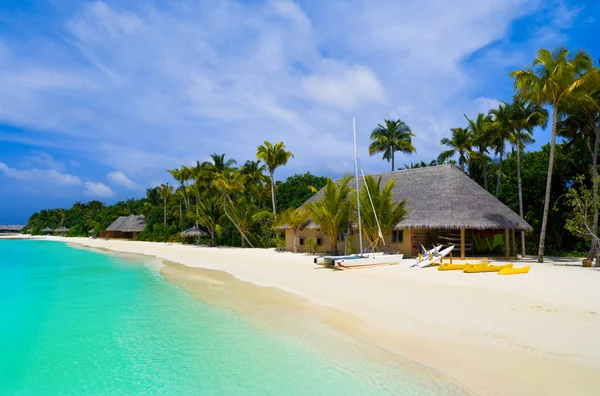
<point x="61" y="231"/>
<point x="194" y="232"/>
<point x="10" y="228"/>
<point x="444" y="206"/>
<point x="47" y="230"/>
<point x="126" y="227"/>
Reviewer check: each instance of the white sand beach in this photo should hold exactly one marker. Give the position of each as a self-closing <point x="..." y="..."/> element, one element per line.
<point x="533" y="334"/>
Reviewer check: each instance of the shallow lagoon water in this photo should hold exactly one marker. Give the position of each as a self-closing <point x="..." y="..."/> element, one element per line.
<point x="74" y="321"/>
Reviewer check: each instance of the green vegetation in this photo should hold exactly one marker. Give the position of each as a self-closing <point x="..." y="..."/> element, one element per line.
<point x="386" y="213"/>
<point x="390" y="137"/>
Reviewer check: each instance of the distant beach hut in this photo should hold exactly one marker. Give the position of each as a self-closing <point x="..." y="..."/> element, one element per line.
<point x="61" y="231"/>
<point x="47" y="230"/>
<point x="194" y="232"/>
<point x="11" y="228"/>
<point x="126" y="227"/>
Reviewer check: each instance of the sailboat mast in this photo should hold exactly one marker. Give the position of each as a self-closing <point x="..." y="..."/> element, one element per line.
<point x="357" y="190"/>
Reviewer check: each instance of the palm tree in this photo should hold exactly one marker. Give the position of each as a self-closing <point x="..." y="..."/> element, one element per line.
<point x="557" y="80"/>
<point x="231" y="181"/>
<point x="391" y="137"/>
<point x="523" y="117"/>
<point x="461" y="142"/>
<point x="255" y="176"/>
<point x="246" y="216"/>
<point x="165" y="192"/>
<point x="387" y="212"/>
<point x="218" y="164"/>
<point x="181" y="175"/>
<point x="274" y="156"/>
<point x="61" y="213"/>
<point x="480" y="130"/>
<point x="500" y="134"/>
<point x="294" y="219"/>
<point x="332" y="210"/>
<point x="210" y="215"/>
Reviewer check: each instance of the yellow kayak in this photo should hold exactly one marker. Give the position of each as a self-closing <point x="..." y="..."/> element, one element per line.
<point x="513" y="271"/>
<point x="454" y="267"/>
<point x="491" y="268"/>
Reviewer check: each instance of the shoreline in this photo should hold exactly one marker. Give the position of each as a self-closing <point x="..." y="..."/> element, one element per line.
<point x="527" y="334"/>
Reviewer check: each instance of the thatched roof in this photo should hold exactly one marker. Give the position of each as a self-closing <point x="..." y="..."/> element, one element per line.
<point x="11" y="228"/>
<point x="194" y="232"/>
<point x="62" y="229"/>
<point x="131" y="223"/>
<point x="47" y="229"/>
<point x="444" y="197"/>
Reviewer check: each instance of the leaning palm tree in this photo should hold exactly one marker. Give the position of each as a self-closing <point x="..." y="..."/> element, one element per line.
<point x="294" y="219"/>
<point x="274" y="156"/>
<point x="229" y="182"/>
<point x="391" y="137"/>
<point x="332" y="210"/>
<point x="61" y="213"/>
<point x="480" y="129"/>
<point x="523" y="117"/>
<point x="387" y="213"/>
<point x="500" y="134"/>
<point x="165" y="192"/>
<point x="557" y="80"/>
<point x="460" y="143"/>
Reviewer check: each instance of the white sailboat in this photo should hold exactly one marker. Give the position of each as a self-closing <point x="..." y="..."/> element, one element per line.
<point x="364" y="259"/>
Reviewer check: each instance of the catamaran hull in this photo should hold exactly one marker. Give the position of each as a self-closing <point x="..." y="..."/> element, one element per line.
<point x="329" y="260"/>
<point x="368" y="261"/>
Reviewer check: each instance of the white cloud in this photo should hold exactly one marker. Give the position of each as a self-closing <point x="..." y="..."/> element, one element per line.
<point x="98" y="190"/>
<point x="344" y="87"/>
<point x="119" y="178"/>
<point x="43" y="176"/>
<point x="163" y="85"/>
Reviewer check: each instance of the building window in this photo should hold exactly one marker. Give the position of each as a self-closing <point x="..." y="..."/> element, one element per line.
<point x="341" y="236"/>
<point x="397" y="236"/>
<point x="301" y="241"/>
<point x="318" y="241"/>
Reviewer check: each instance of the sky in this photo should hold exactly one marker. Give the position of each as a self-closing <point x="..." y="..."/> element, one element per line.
<point x="99" y="98"/>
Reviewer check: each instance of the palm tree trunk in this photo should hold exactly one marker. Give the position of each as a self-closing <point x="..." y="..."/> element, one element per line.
<point x="333" y="241"/>
<point x="548" y="185"/>
<point x="595" y="246"/>
<point x="485" y="179"/>
<point x="180" y="217"/>
<point x="520" y="189"/>
<point x="392" y="160"/>
<point x="295" y="240"/>
<point x="213" y="241"/>
<point x="273" y="193"/>
<point x="185" y="199"/>
<point x="165" y="211"/>
<point x="499" y="174"/>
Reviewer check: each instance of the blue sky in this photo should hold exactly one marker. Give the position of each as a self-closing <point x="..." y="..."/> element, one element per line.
<point x="98" y="98"/>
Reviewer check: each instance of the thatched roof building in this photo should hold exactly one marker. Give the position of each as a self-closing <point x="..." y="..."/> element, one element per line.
<point x="62" y="229"/>
<point x="47" y="229"/>
<point x="126" y="227"/>
<point x="440" y="200"/>
<point x="444" y="197"/>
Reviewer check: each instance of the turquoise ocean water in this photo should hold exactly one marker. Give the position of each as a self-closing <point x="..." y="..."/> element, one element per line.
<point x="78" y="322"/>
